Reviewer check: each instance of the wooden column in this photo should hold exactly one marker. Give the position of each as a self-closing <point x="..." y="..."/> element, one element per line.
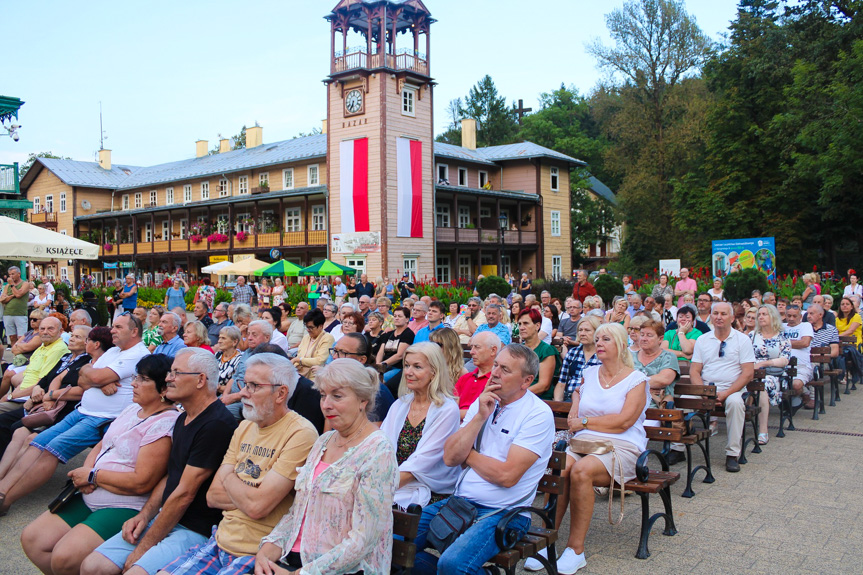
<point x="257" y="223"/>
<point x="332" y="46"/>
<point x="152" y="232"/>
<point x="518" y="223"/>
<point x="455" y="215"/>
<point x="170" y="231"/>
<point x="281" y="223"/>
<point x="230" y="235"/>
<point x="135" y="236"/>
<point x="306" y="215"/>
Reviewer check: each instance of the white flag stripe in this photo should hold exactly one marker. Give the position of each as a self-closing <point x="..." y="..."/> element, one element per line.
<point x="346" y="189"/>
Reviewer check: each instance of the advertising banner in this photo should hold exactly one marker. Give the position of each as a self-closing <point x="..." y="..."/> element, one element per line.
<point x="734" y="255"/>
<point x="670" y="267"/>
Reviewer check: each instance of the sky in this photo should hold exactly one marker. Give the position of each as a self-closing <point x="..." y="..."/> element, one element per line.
<point x="170" y="73"/>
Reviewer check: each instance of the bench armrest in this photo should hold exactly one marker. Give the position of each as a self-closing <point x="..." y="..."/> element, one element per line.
<point x="506" y="537"/>
<point x="642" y="472"/>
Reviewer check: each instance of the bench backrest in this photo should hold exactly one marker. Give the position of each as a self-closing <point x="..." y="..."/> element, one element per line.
<point x="405" y="524"/>
<point x="560" y="409"/>
<point x="820" y="354"/>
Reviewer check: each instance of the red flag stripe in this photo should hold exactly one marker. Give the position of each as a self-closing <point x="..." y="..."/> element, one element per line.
<point x="417" y="189"/>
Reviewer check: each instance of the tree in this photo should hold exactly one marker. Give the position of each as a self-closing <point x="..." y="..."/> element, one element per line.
<point x="452" y="135"/>
<point x="495" y="120"/>
<point x="31" y="159"/>
<point x="238" y="142"/>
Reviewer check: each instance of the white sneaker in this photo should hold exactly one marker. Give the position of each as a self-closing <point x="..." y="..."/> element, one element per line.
<point x="569" y="562"/>
<point x="532" y="564"/>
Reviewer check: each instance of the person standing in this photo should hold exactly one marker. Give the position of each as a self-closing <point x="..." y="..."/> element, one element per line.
<point x="685" y="285"/>
<point x="406" y="287"/>
<point x="365" y="287"/>
<point x="524" y="286"/>
<point x="130" y="294"/>
<point x="242" y="293"/>
<point x="14" y="300"/>
<point x="207" y="294"/>
<point x="175" y="296"/>
<point x="582" y="287"/>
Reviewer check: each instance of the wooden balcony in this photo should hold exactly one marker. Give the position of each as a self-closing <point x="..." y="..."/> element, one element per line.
<point x="485" y="236"/>
<point x="44" y="220"/>
<point x="359" y="58"/>
<point x="268" y="240"/>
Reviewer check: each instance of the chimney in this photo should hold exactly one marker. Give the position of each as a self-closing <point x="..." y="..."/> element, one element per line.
<point x="201" y="148"/>
<point x="468" y="133"/>
<point x="254" y="136"/>
<point x="323" y="126"/>
<point x="224" y="145"/>
<point x="105" y="159"/>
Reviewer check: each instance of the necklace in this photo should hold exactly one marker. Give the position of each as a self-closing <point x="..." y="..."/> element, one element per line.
<point x="606" y="384"/>
<point x="351" y="438"/>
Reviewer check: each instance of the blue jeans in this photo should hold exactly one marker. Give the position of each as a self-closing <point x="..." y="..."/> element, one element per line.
<point x="471" y="550"/>
<point x="75" y="433"/>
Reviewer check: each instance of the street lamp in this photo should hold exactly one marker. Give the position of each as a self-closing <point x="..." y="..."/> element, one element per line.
<point x="502" y="219"/>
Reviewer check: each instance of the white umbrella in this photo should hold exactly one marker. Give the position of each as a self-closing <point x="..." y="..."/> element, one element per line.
<point x="216" y="267"/>
<point x="244" y="267"/>
<point x="22" y="241"/>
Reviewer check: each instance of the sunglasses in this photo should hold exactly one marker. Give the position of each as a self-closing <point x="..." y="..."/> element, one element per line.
<point x="722" y="349"/>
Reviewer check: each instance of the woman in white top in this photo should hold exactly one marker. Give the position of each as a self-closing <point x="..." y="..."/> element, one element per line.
<point x="611" y="404"/>
<point x="42" y="299"/>
<point x="454" y="309"/>
<point x="717" y="293"/>
<point x="853" y="288"/>
<point x="278" y="293"/>
<point x="419" y="423"/>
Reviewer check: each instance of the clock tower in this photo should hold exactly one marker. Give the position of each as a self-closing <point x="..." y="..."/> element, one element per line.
<point x="380" y="156"/>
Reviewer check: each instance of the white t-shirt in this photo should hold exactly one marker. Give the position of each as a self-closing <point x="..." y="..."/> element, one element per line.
<point x="849" y="290"/>
<point x="803" y="329"/>
<point x="527" y="423"/>
<point x="722" y="371"/>
<point x="596" y="401"/>
<point x="95" y="403"/>
<point x="279" y="339"/>
<point x="547" y="328"/>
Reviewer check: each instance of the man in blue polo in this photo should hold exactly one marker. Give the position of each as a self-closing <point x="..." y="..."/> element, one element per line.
<point x="434" y="317"/>
<point x="169" y="327"/>
<point x="493" y="313"/>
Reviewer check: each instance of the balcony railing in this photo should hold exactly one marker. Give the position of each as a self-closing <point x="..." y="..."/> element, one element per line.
<point x="9" y="178"/>
<point x="267" y="240"/>
<point x="359" y="58"/>
<point x="44" y="219"/>
<point x="485" y="236"/>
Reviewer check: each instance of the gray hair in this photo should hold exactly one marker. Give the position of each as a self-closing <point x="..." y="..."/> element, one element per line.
<point x="525" y="356"/>
<point x="351" y="374"/>
<point x="223" y="306"/>
<point x="203" y="362"/>
<point x="232" y="332"/>
<point x="348" y="304"/>
<point x="87" y="319"/>
<point x="86" y="328"/>
<point x="545" y="292"/>
<point x="200" y="331"/>
<point x="496" y="306"/>
<point x="242" y="310"/>
<point x="713" y="307"/>
<point x="377" y="315"/>
<point x="475" y="300"/>
<point x="490" y="339"/>
<point x="421" y="305"/>
<point x="332" y="307"/>
<point x="39" y="313"/>
<point x="174" y="317"/>
<point x="282" y="371"/>
<point x="367" y="298"/>
<point x="265" y="326"/>
<point x="16" y="268"/>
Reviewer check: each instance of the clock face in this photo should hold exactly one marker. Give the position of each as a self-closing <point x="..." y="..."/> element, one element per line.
<point x="354" y="101"/>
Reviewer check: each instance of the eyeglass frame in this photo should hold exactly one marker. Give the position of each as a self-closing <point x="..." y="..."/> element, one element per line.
<point x="334" y="351"/>
<point x="254" y="387"/>
<point x="174" y="373"/>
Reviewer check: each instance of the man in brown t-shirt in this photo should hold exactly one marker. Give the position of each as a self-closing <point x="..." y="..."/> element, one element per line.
<point x="582" y="287"/>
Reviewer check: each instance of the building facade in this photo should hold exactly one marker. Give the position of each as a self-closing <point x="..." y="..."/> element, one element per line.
<point x="373" y="191"/>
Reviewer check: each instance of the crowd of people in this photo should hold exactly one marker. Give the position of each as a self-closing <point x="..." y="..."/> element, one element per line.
<point x="244" y="438"/>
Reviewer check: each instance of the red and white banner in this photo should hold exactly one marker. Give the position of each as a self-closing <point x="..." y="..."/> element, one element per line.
<point x="409" y="169"/>
<point x="354" y="184"/>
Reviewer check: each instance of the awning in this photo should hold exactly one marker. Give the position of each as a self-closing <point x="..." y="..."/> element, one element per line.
<point x="22" y="241"/>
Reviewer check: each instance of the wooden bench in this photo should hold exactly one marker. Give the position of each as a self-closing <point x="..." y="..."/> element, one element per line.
<point x="647" y="482"/>
<point x="405" y="525"/>
<point x="786" y="413"/>
<point x="515" y="549"/>
<point x="696" y="401"/>
<point x="750" y="415"/>
<point x="820" y="357"/>
<point x="848" y="341"/>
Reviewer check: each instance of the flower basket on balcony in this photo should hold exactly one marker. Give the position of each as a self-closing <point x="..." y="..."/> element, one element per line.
<point x="108" y="247"/>
<point x="196" y="238"/>
<point x="242" y="236"/>
<point x="217" y="238"/>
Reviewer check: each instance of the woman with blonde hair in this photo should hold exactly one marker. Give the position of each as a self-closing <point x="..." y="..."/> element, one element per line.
<point x="618" y="313"/>
<point x="278" y="292"/>
<point x="450" y="345"/>
<point x="772" y="353"/>
<point x="195" y="335"/>
<point x="418" y="425"/>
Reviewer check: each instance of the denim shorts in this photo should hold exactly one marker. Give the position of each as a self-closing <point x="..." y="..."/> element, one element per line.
<point x="175" y="544"/>
<point x="71" y="436"/>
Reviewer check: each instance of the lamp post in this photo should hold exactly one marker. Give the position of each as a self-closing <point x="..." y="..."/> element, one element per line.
<point x="502" y="219"/>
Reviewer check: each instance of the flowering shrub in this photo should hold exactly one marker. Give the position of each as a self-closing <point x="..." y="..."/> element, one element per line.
<point x="108" y="247"/>
<point x="196" y="238"/>
<point x="217" y="238"/>
<point x="241" y="236"/>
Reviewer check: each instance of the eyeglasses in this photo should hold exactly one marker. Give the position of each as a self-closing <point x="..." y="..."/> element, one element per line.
<point x="253" y="387"/>
<point x="722" y="349"/>
<point x="174" y="373"/>
<point x="334" y="353"/>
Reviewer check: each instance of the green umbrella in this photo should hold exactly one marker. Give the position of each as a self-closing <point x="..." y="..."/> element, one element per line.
<point x="327" y="268"/>
<point x="281" y="268"/>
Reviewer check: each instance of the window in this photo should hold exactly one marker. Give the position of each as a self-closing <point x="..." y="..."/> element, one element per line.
<point x="223" y="188"/>
<point x="244" y="223"/>
<point x="555" y="223"/>
<point x="485" y="213"/>
<point x="222" y="224"/>
<point x="187" y="193"/>
<point x="409" y="95"/>
<point x="148" y="232"/>
<point x="49" y="204"/>
<point x="483" y="179"/>
<point x="62" y="232"/>
<point x="153" y="197"/>
<point x="139" y="199"/>
<point x="63" y="202"/>
<point x="244" y="184"/>
<point x="442" y="271"/>
<point x="288" y="179"/>
<point x="463" y="216"/>
<point x="556" y="265"/>
<point x="410" y="267"/>
<point x="64" y="274"/>
<point x="443" y="174"/>
<point x="264" y="180"/>
<point x="184" y="226"/>
<point x="555" y="179"/>
<point x="293" y="220"/>
<point x="464" y="267"/>
<point x="36" y="205"/>
<point x="462" y="176"/>
<point x="358" y="264"/>
<point x="314" y="180"/>
<point x="205" y="190"/>
<point x="125" y="201"/>
<point x="165" y="230"/>
<point x="319" y="219"/>
<point x="169" y="196"/>
<point x="442" y="216"/>
<point x="505" y="265"/>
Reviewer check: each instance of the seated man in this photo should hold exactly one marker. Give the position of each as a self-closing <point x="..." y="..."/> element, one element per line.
<point x="466" y="324"/>
<point x="800" y="333"/>
<point x="169" y="328"/>
<point x="42" y="361"/>
<point x="434" y="321"/>
<point x="724" y="357"/>
<point x="254" y="487"/>
<point x="517" y="431"/>
<point x="493" y="315"/>
<point x="484" y="347"/>
<point x="176" y="516"/>
<point x="259" y="332"/>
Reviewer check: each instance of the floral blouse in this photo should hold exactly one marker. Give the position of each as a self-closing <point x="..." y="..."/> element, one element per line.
<point x="152" y="337"/>
<point x="348" y="510"/>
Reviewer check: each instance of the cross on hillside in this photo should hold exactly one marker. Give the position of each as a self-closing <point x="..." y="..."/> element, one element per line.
<point x="521" y="111"/>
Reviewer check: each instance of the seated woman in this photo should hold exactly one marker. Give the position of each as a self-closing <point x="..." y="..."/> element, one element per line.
<point x="659" y="365"/>
<point x="618" y="313"/>
<point x="578" y="359"/>
<point x="529" y="322"/>
<point x="610" y="405"/>
<point x="315" y="347"/>
<point x="551" y="313"/>
<point x="228" y="355"/>
<point x="352" y="322"/>
<point x="341" y="519"/>
<point x="633" y="331"/>
<point x="450" y="346"/>
<point x="195" y="335"/>
<point x="273" y="316"/>
<point x="374" y="332"/>
<point x="331" y="317"/>
<point x="772" y="353"/>
<point x="419" y="423"/>
<point x="152" y="337"/>
<point x="681" y="342"/>
<point x="116" y="479"/>
<point x="393" y="346"/>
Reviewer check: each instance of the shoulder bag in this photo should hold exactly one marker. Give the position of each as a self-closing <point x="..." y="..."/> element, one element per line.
<point x="41" y="417"/>
<point x="601" y="447"/>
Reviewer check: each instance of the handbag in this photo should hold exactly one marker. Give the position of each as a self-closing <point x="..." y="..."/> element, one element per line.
<point x="69" y="490"/>
<point x="41" y="417"/>
<point x="583" y="447"/>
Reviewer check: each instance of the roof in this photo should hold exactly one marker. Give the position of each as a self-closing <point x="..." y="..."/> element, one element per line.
<point x="509" y="194"/>
<point x="602" y="190"/>
<point x="87" y="174"/>
<point x="457" y="152"/>
<point x="524" y="150"/>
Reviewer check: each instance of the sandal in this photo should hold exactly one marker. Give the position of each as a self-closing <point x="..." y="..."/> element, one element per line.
<point x="714" y="428"/>
<point x="763" y="438"/>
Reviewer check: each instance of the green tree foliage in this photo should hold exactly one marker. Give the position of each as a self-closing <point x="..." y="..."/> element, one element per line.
<point x="238" y="142"/>
<point x="452" y="134"/>
<point x="740" y="285"/>
<point x="22" y="170"/>
<point x="495" y="120"/>
<point x="492" y="284"/>
<point x="607" y="287"/>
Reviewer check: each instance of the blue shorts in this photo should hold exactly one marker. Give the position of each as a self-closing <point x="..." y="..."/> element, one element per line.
<point x="209" y="559"/>
<point x="75" y="433"/>
<point x="175" y="544"/>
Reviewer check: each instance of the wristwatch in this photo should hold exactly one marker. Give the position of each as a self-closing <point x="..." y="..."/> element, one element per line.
<point x="584" y="422"/>
<point x="91" y="478"/>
